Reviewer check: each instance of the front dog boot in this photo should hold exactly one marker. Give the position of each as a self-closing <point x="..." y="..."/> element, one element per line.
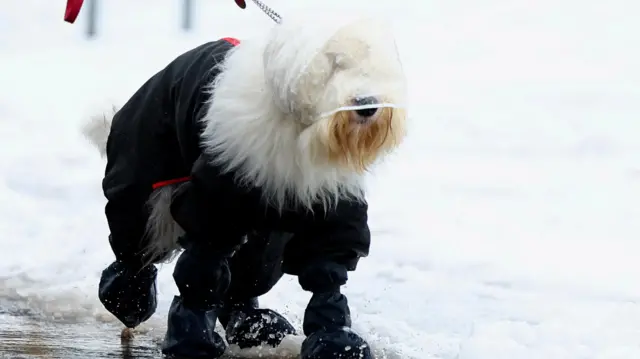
<point x="341" y="343"/>
<point x="129" y="292"/>
<point x="202" y="278"/>
<point x="249" y="326"/>
<point x="327" y="324"/>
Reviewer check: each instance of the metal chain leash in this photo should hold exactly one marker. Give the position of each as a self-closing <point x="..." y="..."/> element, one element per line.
<point x="269" y="11"/>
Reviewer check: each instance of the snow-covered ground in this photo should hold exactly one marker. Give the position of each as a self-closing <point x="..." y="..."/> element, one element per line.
<point x="508" y="225"/>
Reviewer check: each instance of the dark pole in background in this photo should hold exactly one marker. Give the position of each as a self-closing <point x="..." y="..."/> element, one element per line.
<point x="92" y="22"/>
<point x="187" y="14"/>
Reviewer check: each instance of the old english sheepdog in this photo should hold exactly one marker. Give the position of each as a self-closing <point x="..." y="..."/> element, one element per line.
<point x="247" y="159"/>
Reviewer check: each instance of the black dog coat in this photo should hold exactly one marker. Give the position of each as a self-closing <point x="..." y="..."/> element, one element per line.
<point x="155" y="141"/>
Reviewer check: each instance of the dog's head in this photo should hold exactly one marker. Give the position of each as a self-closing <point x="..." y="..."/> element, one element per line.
<point x="344" y="85"/>
<point x="304" y="110"/>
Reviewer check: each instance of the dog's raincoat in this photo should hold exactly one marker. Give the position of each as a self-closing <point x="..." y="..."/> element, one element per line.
<point x="154" y="141"/>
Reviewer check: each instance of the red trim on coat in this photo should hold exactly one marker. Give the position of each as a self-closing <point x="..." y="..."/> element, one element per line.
<point x="170" y="182"/>
<point x="232" y="40"/>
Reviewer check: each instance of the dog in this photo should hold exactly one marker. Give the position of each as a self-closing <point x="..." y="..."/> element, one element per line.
<point x="295" y="118"/>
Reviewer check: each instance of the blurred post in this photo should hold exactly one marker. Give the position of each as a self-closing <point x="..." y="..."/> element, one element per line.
<point x="92" y="21"/>
<point x="187" y="14"/>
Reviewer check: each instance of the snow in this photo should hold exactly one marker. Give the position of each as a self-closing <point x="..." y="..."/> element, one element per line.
<point x="506" y="227"/>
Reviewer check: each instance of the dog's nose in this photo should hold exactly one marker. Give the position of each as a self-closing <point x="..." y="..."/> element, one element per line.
<point x="364" y="101"/>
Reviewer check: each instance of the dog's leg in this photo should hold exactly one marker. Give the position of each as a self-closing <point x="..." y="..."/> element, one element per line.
<point x="256" y="268"/>
<point x="327" y="318"/>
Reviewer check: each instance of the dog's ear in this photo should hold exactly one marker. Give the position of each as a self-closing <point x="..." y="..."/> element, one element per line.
<point x="327" y="64"/>
<point x="347" y="52"/>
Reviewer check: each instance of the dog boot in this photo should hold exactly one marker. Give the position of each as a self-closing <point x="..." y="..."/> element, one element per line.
<point x="327" y="323"/>
<point x="341" y="343"/>
<point x="249" y="326"/>
<point x="202" y="277"/>
<point x="191" y="332"/>
<point x="129" y="292"/>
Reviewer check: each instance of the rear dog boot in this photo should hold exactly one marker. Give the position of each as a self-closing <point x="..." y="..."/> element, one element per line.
<point x="327" y="324"/>
<point x="249" y="326"/>
<point x="202" y="277"/>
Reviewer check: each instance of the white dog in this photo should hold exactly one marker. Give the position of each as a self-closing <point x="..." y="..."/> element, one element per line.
<point x="291" y="122"/>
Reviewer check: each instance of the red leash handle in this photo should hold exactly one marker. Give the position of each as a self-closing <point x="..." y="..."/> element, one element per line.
<point x="72" y="11"/>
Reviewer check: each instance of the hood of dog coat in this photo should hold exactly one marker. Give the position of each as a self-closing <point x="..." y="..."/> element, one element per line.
<point x="294" y="43"/>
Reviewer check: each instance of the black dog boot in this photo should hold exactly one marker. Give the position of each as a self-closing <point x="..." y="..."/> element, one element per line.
<point x="248" y="326"/>
<point x="129" y="292"/>
<point x="341" y="343"/>
<point x="327" y="324"/>
<point x="202" y="278"/>
<point x="191" y="333"/>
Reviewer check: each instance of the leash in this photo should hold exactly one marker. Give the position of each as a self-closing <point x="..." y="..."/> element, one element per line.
<point x="73" y="9"/>
<point x="269" y="11"/>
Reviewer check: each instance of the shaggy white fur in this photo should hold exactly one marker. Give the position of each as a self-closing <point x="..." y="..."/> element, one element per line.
<point x="97" y="129"/>
<point x="267" y="112"/>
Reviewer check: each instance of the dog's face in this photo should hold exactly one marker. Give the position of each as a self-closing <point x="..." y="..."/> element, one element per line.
<point x="347" y="97"/>
<point x="358" y="118"/>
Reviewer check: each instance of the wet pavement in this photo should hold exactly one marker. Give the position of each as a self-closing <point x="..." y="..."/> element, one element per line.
<point x="24" y="337"/>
